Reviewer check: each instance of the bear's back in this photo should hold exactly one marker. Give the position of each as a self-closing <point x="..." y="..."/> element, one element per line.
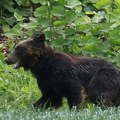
<point x="87" y="67"/>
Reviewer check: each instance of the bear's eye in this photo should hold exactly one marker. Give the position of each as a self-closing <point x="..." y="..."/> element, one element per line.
<point x="20" y="51"/>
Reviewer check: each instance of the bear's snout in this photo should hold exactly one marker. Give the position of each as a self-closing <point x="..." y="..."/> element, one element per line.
<point x="9" y="61"/>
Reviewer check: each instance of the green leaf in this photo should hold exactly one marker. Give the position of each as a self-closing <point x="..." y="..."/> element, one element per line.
<point x="104" y="46"/>
<point x="105" y="27"/>
<point x="114" y="34"/>
<point x="90" y="39"/>
<point x="23" y="2"/>
<point x="83" y="20"/>
<point x="102" y="3"/>
<point x="117" y="23"/>
<point x="6" y="28"/>
<point x="49" y="34"/>
<point x="90" y="13"/>
<point x="23" y="11"/>
<point x="90" y="47"/>
<point x="31" y="25"/>
<point x="98" y="17"/>
<point x="59" y="23"/>
<point x="72" y="3"/>
<point x="78" y="9"/>
<point x="39" y="1"/>
<point x="70" y="16"/>
<point x="94" y="1"/>
<point x="15" y="31"/>
<point x="83" y="28"/>
<point x="118" y="60"/>
<point x="69" y="31"/>
<point x="41" y="11"/>
<point x="2" y="57"/>
<point x="58" y="42"/>
<point x="35" y="1"/>
<point x="56" y="3"/>
<point x="18" y="17"/>
<point x="116" y="13"/>
<point x="11" y="34"/>
<point x="44" y="22"/>
<point x="76" y="49"/>
<point x="118" y="1"/>
<point x="8" y="7"/>
<point x="58" y="11"/>
<point x="115" y="42"/>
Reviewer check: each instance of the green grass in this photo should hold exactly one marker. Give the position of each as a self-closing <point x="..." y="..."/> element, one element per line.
<point x="85" y="114"/>
<point x="18" y="90"/>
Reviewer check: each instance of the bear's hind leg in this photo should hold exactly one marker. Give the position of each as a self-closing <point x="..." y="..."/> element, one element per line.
<point x="104" y="86"/>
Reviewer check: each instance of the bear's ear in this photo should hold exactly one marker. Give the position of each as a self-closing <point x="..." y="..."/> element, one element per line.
<point x="39" y="38"/>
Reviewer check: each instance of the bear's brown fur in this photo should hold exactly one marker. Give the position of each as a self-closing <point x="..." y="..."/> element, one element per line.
<point x="62" y="75"/>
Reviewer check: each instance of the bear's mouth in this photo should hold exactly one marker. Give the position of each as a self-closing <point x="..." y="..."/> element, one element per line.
<point x="17" y="65"/>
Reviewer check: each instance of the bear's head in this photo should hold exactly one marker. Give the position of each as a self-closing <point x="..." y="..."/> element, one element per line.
<point x="26" y="53"/>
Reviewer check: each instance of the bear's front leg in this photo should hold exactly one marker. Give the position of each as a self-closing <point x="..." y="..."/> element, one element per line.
<point x="74" y="100"/>
<point x="76" y="96"/>
<point x="43" y="102"/>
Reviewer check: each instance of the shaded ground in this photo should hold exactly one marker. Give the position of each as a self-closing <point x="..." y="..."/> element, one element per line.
<point x="3" y="39"/>
<point x="4" y="47"/>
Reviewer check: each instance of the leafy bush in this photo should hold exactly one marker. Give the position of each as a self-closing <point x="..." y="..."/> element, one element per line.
<point x="89" y="27"/>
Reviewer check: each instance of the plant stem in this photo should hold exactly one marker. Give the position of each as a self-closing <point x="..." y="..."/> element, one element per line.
<point x="50" y="19"/>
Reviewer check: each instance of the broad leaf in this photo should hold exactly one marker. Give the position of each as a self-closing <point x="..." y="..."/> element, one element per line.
<point x="98" y="17"/>
<point x="83" y="20"/>
<point x="69" y="31"/>
<point x="70" y="16"/>
<point x="18" y="17"/>
<point x="72" y="3"/>
<point x="39" y="1"/>
<point x="41" y="11"/>
<point x="8" y="7"/>
<point x="59" y="23"/>
<point x="58" y="11"/>
<point x="104" y="46"/>
<point x="118" y="1"/>
<point x="115" y="42"/>
<point x="76" y="49"/>
<point x="23" y="11"/>
<point x="102" y="3"/>
<point x="118" y="60"/>
<point x="90" y="47"/>
<point x="59" y="42"/>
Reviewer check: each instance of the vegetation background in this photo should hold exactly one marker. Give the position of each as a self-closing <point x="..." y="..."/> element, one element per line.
<point x="82" y="27"/>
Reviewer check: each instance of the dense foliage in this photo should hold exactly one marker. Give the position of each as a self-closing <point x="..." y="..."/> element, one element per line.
<point x="89" y="27"/>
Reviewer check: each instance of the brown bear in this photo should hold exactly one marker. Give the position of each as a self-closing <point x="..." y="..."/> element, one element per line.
<point x="63" y="75"/>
